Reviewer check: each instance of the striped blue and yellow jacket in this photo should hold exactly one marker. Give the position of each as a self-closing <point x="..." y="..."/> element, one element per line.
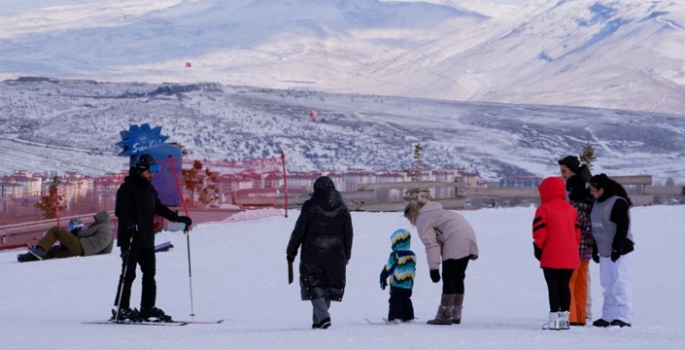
<point x="401" y="265"/>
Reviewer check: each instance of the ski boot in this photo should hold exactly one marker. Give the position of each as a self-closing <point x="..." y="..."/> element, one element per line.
<point x="154" y="314"/>
<point x="126" y="315"/>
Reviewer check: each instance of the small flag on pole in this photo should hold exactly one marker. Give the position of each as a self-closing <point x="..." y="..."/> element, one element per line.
<point x="188" y="65"/>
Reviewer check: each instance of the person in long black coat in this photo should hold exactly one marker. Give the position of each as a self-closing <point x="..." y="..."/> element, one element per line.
<point x="324" y="231"/>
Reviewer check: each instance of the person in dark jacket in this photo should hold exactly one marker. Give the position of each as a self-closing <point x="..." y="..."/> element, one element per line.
<point x="613" y="242"/>
<point x="324" y="231"/>
<point x="136" y="204"/>
<point x="74" y="241"/>
<point x="578" y="194"/>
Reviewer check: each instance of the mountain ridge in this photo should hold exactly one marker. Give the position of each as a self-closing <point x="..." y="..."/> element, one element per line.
<point x="594" y="53"/>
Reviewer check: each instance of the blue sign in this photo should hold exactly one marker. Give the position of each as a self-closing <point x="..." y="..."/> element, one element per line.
<point x="145" y="139"/>
<point x="140" y="139"/>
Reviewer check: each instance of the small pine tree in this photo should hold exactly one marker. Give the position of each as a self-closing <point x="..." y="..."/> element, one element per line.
<point x="415" y="174"/>
<point x="49" y="204"/>
<point x="587" y="155"/>
<point x="418" y="162"/>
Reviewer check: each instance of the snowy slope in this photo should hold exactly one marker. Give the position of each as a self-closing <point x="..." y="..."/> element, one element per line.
<point x="66" y="126"/>
<point x="591" y="53"/>
<point x="239" y="273"/>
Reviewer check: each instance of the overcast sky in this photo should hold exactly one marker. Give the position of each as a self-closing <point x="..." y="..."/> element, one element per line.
<point x="7" y="6"/>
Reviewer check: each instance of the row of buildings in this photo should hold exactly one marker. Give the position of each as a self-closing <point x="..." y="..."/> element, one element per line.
<point x="24" y="183"/>
<point x="229" y="181"/>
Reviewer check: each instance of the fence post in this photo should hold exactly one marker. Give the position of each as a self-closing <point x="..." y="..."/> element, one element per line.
<point x="285" y="184"/>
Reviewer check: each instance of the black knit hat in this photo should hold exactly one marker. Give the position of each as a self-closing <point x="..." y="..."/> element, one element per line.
<point x="571" y="162"/>
<point x="323" y="182"/>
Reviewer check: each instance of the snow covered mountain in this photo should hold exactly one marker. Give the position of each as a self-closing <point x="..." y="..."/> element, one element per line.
<point x="53" y="125"/>
<point x="612" y="54"/>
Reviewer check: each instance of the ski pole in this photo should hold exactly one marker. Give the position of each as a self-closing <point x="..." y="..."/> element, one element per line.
<point x="122" y="278"/>
<point x="187" y="232"/>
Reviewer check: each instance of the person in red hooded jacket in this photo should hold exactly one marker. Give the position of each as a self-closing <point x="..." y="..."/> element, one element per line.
<point x="556" y="236"/>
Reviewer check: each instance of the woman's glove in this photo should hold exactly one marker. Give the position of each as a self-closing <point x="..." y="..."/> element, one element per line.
<point x="435" y="276"/>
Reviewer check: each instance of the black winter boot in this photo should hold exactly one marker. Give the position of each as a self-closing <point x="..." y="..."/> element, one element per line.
<point x="38" y="252"/>
<point x="601" y="323"/>
<point x="24" y="257"/>
<point x="619" y="323"/>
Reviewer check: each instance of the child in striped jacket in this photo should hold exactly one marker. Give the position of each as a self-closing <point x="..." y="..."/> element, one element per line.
<point x="401" y="269"/>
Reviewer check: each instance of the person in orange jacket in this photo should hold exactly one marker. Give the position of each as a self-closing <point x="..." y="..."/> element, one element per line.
<point x="556" y="236"/>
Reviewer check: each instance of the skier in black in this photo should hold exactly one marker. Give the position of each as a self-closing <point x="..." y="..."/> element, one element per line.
<point x="136" y="205"/>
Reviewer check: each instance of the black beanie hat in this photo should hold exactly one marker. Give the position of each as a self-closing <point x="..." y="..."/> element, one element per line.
<point x="323" y="182"/>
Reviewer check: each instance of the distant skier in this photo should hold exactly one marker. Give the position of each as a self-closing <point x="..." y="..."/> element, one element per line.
<point x="613" y="243"/>
<point x="136" y="205"/>
<point x="324" y="231"/>
<point x="451" y="242"/>
<point x="401" y="269"/>
<point x="556" y="236"/>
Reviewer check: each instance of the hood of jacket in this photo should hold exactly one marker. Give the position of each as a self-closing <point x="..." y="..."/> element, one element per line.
<point x="328" y="198"/>
<point x="430" y="206"/>
<point x="400" y="240"/>
<point x="102" y="217"/>
<point x="551" y="188"/>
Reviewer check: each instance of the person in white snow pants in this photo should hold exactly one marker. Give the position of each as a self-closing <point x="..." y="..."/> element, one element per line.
<point x="613" y="242"/>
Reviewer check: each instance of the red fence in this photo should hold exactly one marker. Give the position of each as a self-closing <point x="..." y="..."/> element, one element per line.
<point x="214" y="191"/>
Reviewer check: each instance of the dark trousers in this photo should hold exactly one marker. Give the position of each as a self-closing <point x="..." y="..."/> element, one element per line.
<point x="145" y="257"/>
<point x="558" y="288"/>
<point x="401" y="307"/>
<point x="453" y="275"/>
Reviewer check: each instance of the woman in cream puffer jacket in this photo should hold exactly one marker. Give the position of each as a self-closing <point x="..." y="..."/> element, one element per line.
<point x="451" y="242"/>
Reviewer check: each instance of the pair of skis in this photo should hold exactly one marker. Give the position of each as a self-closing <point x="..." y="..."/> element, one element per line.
<point x="149" y="323"/>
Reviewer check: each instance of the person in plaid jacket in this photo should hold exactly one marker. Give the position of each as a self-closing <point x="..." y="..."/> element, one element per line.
<point x="578" y="194"/>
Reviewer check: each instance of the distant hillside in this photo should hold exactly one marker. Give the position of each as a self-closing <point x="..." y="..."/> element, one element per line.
<point x="73" y="125"/>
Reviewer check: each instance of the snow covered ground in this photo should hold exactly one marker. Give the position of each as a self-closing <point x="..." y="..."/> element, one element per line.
<point x="239" y="273"/>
